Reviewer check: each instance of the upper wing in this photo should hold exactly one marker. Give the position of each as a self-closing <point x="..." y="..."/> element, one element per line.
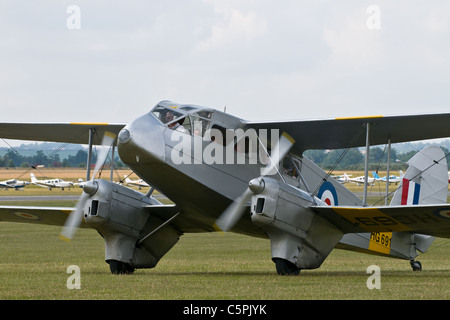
<point x="432" y="220"/>
<point x="57" y="132"/>
<point x="350" y="132"/>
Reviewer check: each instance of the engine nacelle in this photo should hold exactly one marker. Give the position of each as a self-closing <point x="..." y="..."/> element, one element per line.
<point x="296" y="233"/>
<point x="121" y="216"/>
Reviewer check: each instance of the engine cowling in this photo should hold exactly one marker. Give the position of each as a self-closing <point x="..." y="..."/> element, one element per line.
<point x="121" y="215"/>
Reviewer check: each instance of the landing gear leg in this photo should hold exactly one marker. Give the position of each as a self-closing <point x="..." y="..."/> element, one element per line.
<point x="416" y="265"/>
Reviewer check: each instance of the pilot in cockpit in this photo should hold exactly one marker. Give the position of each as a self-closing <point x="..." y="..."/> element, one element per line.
<point x="169" y="116"/>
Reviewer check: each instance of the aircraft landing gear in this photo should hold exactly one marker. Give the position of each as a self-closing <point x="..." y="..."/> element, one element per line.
<point x="285" y="267"/>
<point x="119" y="267"/>
<point x="416" y="265"/>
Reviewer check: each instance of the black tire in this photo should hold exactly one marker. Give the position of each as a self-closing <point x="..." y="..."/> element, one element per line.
<point x="416" y="265"/>
<point x="119" y="267"/>
<point x="285" y="267"/>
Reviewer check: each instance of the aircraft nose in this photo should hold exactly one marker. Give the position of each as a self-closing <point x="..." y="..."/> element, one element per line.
<point x="141" y="141"/>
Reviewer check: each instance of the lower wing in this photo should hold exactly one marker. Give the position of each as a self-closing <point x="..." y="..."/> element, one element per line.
<point x="433" y="220"/>
<point x="39" y="215"/>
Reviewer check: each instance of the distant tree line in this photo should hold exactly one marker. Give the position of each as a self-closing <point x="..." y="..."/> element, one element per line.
<point x="14" y="159"/>
<point x="340" y="159"/>
<point x="353" y="159"/>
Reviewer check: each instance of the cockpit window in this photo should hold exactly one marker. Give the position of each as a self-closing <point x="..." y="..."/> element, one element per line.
<point x="166" y="115"/>
<point x="173" y="119"/>
<point x="185" y="118"/>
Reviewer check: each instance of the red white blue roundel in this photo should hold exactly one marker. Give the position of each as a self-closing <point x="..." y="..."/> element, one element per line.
<point x="327" y="193"/>
<point x="443" y="213"/>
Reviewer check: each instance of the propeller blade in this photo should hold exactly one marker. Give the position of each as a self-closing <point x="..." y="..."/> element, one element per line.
<point x="74" y="220"/>
<point x="234" y="212"/>
<point x="76" y="217"/>
<point x="108" y="140"/>
<point x="285" y="143"/>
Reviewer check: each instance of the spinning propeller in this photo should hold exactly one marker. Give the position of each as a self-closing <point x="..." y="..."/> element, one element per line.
<point x="76" y="217"/>
<point x="234" y="212"/>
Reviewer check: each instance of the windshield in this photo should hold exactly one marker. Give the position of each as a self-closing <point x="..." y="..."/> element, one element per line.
<point x="166" y="115"/>
<point x="187" y="119"/>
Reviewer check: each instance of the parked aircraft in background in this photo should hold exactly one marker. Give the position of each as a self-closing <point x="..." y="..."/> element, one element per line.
<point x="392" y="178"/>
<point x="13" y="184"/>
<point x="51" y="183"/>
<point x="359" y="180"/>
<point x="342" y="178"/>
<point x="137" y="183"/>
<point x="81" y="183"/>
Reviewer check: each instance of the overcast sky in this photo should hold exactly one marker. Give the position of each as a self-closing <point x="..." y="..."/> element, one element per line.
<point x="112" y="61"/>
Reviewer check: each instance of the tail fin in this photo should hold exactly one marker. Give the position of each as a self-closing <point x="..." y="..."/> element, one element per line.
<point x="425" y="181"/>
<point x="33" y="178"/>
<point x="375" y="175"/>
<point x="346" y="177"/>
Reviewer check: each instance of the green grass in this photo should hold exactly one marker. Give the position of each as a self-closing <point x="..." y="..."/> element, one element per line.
<point x="34" y="261"/>
<point x="33" y="264"/>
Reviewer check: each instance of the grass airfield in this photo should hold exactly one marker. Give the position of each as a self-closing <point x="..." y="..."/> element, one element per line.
<point x="34" y="262"/>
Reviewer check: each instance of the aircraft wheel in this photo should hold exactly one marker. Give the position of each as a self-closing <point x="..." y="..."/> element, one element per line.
<point x="285" y="267"/>
<point x="119" y="267"/>
<point x="416" y="265"/>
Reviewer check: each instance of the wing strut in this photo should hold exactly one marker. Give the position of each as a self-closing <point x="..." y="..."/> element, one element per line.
<point x="388" y="171"/>
<point x="92" y="133"/>
<point x="162" y="225"/>
<point x="366" y="164"/>
<point x="89" y="156"/>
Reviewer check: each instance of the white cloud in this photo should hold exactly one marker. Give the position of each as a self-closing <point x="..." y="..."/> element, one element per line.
<point x="234" y="28"/>
<point x="261" y="58"/>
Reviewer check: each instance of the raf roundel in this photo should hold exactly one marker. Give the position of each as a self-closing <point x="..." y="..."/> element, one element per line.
<point x="327" y="193"/>
<point x="442" y="213"/>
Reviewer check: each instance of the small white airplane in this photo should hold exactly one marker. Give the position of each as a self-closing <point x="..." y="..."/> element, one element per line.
<point x="81" y="183"/>
<point x="342" y="179"/>
<point x="359" y="180"/>
<point x="392" y="178"/>
<point x="51" y="183"/>
<point x="138" y="183"/>
<point x="13" y="183"/>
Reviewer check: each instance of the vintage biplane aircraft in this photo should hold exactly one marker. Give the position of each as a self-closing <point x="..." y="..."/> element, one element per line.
<point x="225" y="173"/>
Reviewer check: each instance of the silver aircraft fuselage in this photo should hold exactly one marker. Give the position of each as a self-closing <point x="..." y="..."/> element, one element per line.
<point x="201" y="191"/>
